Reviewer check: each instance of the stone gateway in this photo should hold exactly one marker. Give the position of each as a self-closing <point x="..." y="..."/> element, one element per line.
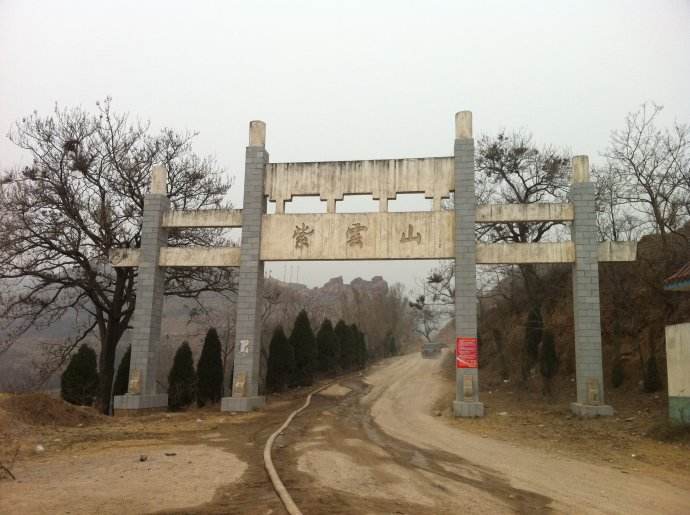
<point x="435" y="234"/>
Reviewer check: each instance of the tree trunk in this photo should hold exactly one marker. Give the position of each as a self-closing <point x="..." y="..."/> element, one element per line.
<point x="107" y="369"/>
<point x="498" y="341"/>
<point x="110" y="337"/>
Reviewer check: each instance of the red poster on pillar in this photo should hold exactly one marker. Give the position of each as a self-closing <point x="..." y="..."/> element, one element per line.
<point x="465" y="352"/>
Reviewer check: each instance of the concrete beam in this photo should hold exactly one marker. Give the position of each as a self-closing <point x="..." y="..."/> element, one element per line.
<point x="545" y="212"/>
<point x="200" y="256"/>
<point x="282" y="249"/>
<point x="560" y="252"/>
<point x="182" y="257"/>
<point x="345" y="236"/>
<point x="387" y="236"/>
<point x="382" y="178"/>
<point x="203" y="218"/>
<point x="124" y="258"/>
<point x="522" y="253"/>
<point x="617" y="251"/>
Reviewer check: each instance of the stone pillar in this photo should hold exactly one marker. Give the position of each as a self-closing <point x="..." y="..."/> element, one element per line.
<point x="146" y="332"/>
<point x="588" y="357"/>
<point x="247" y="377"/>
<point x="467" y="379"/>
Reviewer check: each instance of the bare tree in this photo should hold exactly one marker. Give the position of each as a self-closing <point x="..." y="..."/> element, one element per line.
<point x="512" y="169"/>
<point x="427" y="319"/>
<point x="81" y="197"/>
<point x="439" y="284"/>
<point x="518" y="172"/>
<point x="652" y="165"/>
<point x="649" y="169"/>
<point x="616" y="221"/>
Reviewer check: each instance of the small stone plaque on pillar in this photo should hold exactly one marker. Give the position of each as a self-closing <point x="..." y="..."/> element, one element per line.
<point x="240" y="385"/>
<point x="468" y="388"/>
<point x="134" y="387"/>
<point x="593" y="392"/>
<point x="594" y="405"/>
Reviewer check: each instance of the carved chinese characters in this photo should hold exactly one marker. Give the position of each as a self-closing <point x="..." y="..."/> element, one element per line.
<point x="354" y="235"/>
<point x="410" y="237"/>
<point x="334" y="236"/>
<point x="301" y="235"/>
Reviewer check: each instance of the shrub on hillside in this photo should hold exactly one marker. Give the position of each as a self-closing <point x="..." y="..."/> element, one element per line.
<point x="328" y="348"/>
<point x="391" y="346"/>
<point x="79" y="381"/>
<point x="652" y="381"/>
<point x="548" y="360"/>
<point x="209" y="370"/>
<point x="303" y="341"/>
<point x="122" y="377"/>
<point x="342" y="334"/>
<point x="618" y="373"/>
<point x="182" y="382"/>
<point x="347" y="345"/>
<point x="363" y="350"/>
<point x="281" y="362"/>
<point x="359" y="352"/>
<point x="533" y="335"/>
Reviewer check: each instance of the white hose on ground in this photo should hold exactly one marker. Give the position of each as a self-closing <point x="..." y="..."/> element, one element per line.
<point x="278" y="485"/>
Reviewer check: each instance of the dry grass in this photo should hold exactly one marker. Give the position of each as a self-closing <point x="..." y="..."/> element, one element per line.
<point x="638" y="436"/>
<point x="39" y="409"/>
<point x="666" y="431"/>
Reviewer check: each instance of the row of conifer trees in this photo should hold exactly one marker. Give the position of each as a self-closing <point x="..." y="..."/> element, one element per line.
<point x="293" y="361"/>
<point x="203" y="385"/>
<point x="297" y="359"/>
<point x="79" y="382"/>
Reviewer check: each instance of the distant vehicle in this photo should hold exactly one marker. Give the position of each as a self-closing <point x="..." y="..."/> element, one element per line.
<point x="432" y="349"/>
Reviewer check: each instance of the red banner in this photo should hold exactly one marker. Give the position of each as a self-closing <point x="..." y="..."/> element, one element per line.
<point x="465" y="352"/>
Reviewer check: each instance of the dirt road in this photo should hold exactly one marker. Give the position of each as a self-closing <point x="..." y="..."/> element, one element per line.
<point x="370" y="444"/>
<point x="381" y="449"/>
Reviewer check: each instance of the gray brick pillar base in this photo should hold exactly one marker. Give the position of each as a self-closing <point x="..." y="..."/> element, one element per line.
<point x="466" y="402"/>
<point x="150" y="290"/>
<point x="246" y="377"/>
<point x="588" y="357"/>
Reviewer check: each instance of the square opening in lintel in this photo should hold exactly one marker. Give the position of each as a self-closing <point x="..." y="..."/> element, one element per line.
<point x="408" y="202"/>
<point x="359" y="203"/>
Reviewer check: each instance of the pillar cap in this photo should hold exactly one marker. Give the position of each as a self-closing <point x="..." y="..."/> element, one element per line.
<point x="257" y="133"/>
<point x="159" y="179"/>
<point x="463" y="125"/>
<point x="580" y="169"/>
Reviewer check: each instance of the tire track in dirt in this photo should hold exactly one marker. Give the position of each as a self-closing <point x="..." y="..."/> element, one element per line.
<point x="378" y="449"/>
<point x="442" y="478"/>
<point x="253" y="493"/>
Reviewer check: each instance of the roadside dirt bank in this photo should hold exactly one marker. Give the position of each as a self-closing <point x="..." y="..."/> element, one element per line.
<point x="158" y="462"/>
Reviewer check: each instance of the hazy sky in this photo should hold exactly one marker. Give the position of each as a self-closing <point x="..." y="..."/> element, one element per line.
<point x="337" y="80"/>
